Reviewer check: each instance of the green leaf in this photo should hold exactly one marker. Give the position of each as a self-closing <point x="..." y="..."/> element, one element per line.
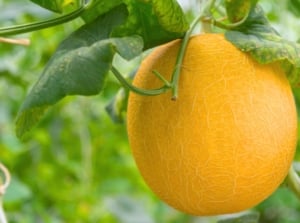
<point x="238" y="9"/>
<point x="257" y="37"/>
<point x="79" y="66"/>
<point x="252" y="217"/>
<point x="146" y="19"/>
<point x="82" y="61"/>
<point x="155" y="21"/>
<point x="99" y="7"/>
<point x="294" y="7"/>
<point x="55" y="5"/>
<point x="170" y="15"/>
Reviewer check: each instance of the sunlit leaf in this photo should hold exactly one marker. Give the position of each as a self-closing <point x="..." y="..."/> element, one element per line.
<point x="154" y="21"/>
<point x="257" y="37"/>
<point x="170" y="15"/>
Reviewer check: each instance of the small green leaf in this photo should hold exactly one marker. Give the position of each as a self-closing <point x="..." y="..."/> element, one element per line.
<point x="56" y="5"/>
<point x="170" y="15"/>
<point x="238" y="9"/>
<point x="252" y="217"/>
<point x="257" y="37"/>
<point x="79" y="66"/>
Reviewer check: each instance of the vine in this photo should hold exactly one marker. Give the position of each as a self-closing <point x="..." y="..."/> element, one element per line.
<point x="175" y="76"/>
<point x="25" y="28"/>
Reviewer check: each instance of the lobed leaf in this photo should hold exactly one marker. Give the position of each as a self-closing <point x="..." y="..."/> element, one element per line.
<point x="257" y="37"/>
<point x="155" y="21"/>
<point x="79" y="66"/>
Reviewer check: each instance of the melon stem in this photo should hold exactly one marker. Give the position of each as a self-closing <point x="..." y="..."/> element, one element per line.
<point x="174" y="83"/>
<point x="180" y="57"/>
<point x="145" y="92"/>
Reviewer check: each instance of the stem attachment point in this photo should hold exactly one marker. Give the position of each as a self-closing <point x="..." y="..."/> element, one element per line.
<point x="180" y="56"/>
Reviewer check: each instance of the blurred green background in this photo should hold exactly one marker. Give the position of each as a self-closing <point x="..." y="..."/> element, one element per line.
<point x="77" y="166"/>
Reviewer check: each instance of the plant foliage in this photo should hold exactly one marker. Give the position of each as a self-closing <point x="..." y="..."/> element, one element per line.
<point x="82" y="61"/>
<point x="78" y="160"/>
<point x="264" y="43"/>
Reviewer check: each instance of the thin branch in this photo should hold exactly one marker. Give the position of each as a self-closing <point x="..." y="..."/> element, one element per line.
<point x="25" y="28"/>
<point x="179" y="59"/>
<point x="135" y="89"/>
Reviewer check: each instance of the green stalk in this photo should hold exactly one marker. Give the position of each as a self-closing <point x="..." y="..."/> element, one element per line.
<point x="176" y="73"/>
<point x="209" y="19"/>
<point x="25" y="28"/>
<point x="179" y="60"/>
<point x="205" y="11"/>
<point x="137" y="90"/>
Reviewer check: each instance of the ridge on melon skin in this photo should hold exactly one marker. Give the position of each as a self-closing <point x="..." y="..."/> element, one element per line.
<point x="227" y="142"/>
